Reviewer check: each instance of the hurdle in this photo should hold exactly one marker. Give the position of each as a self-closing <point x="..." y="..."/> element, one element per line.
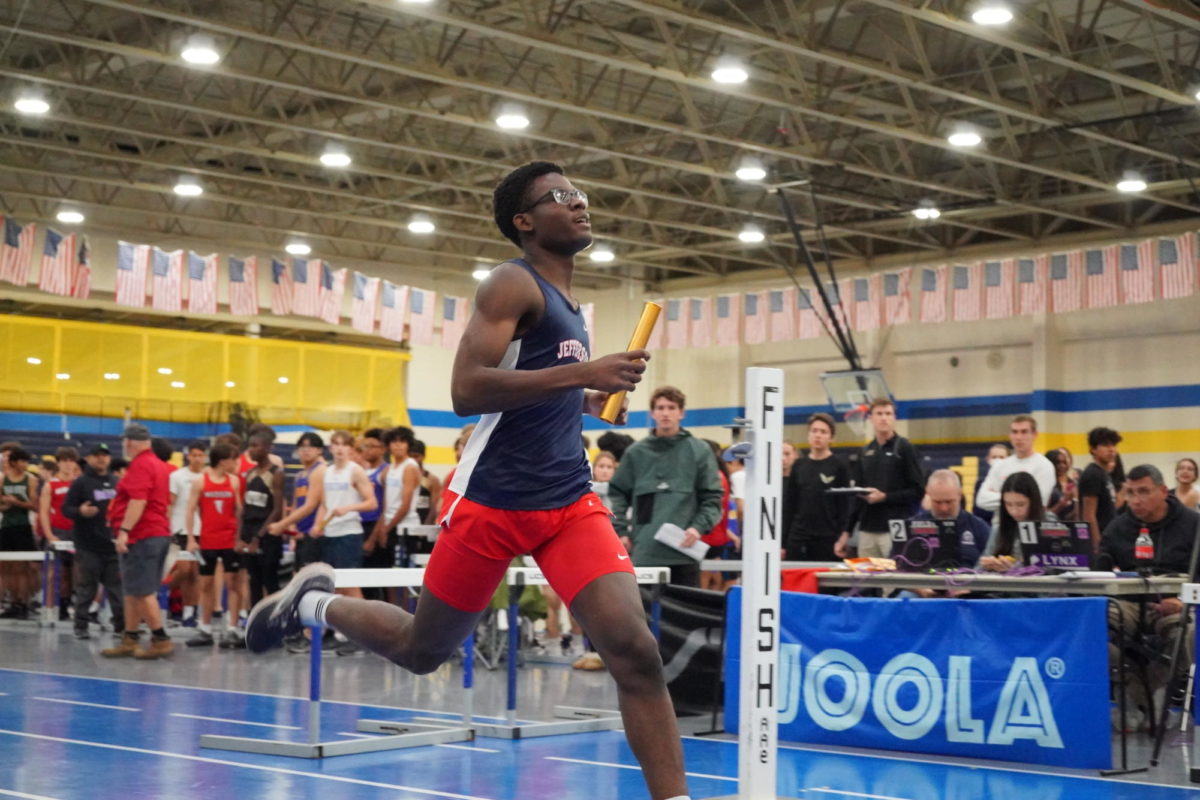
<point x="758" y="694"/>
<point x="400" y="734"/>
<point x="49" y="613"/>
<point x="568" y="719"/>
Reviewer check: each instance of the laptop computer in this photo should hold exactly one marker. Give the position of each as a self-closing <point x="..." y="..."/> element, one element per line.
<point x="924" y="544"/>
<point x="1056" y="546"/>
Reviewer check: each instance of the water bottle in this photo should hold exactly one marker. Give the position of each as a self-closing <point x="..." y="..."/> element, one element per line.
<point x="1143" y="549"/>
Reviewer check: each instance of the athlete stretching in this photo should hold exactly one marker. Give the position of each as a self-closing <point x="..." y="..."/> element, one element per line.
<point x="522" y="485"/>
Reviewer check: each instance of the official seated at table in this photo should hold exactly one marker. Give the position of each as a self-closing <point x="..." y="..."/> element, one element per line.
<point x="1021" y="501"/>
<point x="1172" y="528"/>
<point x="943" y="490"/>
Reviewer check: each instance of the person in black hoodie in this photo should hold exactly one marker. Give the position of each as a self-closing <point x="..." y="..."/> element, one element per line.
<point x="1173" y="528"/>
<point x="813" y="520"/>
<point x="95" y="554"/>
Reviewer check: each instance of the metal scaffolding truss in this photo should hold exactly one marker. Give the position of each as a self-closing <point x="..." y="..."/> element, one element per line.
<point x="851" y="102"/>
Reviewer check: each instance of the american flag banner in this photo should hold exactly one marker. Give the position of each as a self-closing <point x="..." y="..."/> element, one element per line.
<point x="588" y="311"/>
<point x="998" y="289"/>
<point x="133" y="262"/>
<point x="808" y="324"/>
<point x="866" y="303"/>
<point x="781" y="306"/>
<point x="82" y="288"/>
<point x="365" y="292"/>
<point x="420" y="321"/>
<point x="677" y="323"/>
<point x="202" y="283"/>
<point x="1137" y="271"/>
<point x="1100" y="277"/>
<point x="454" y="321"/>
<point x="57" y="274"/>
<point x="933" y="295"/>
<point x="281" y="288"/>
<point x="393" y="304"/>
<point x="1066" y="281"/>
<point x="166" y="282"/>
<point x="726" y="313"/>
<point x="243" y="286"/>
<point x="17" y="251"/>
<point x="657" y="336"/>
<point x="700" y="317"/>
<point x="966" y="293"/>
<point x="754" y="311"/>
<point x="1177" y="259"/>
<point x="1031" y="285"/>
<point x="897" y="305"/>
<point x="841" y="297"/>
<point x="333" y="289"/>
<point x="306" y="287"/>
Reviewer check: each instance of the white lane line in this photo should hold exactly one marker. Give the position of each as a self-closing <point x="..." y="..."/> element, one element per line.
<point x="452" y="715"/>
<point x="11" y="793"/>
<point x="356" y="735"/>
<point x="826" y="790"/>
<point x="239" y="722"/>
<point x="467" y="748"/>
<point x="630" y="766"/>
<point x="81" y="703"/>
<point x="256" y="767"/>
<point x="963" y="763"/>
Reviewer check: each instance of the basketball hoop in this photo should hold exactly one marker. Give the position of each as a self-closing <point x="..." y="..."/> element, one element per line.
<point x="856" y="418"/>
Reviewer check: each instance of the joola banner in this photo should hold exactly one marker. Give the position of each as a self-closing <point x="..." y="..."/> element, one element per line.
<point x="1019" y="680"/>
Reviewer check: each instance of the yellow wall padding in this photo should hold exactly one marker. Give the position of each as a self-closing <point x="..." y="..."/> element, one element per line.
<point x="114" y="367"/>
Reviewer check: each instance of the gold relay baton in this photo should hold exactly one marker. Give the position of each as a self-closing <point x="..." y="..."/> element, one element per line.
<point x="641" y="335"/>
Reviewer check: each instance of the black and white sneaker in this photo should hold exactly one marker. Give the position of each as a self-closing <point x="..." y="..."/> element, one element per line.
<point x="278" y="616"/>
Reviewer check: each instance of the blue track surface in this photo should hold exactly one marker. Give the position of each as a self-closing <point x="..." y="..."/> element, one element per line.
<point x="139" y="740"/>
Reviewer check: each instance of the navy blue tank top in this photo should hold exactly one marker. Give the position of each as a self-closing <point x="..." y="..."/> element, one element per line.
<point x="531" y="458"/>
<point x="377" y="485"/>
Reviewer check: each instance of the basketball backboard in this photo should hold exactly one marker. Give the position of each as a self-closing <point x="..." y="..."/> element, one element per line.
<point x="851" y="391"/>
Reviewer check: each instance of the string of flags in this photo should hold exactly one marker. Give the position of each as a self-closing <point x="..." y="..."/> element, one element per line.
<point x="1091" y="278"/>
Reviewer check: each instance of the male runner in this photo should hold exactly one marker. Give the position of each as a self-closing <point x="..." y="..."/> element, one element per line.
<point x="216" y="499"/>
<point x="523" y="483"/>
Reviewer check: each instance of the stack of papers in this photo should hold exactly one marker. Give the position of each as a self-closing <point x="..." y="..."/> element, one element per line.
<point x="672" y="536"/>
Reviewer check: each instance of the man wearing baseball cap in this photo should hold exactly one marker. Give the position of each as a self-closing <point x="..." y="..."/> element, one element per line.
<point x="138" y="515"/>
<point x="96" y="561"/>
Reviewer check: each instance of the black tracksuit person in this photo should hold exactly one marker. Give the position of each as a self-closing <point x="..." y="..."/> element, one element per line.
<point x="95" y="554"/>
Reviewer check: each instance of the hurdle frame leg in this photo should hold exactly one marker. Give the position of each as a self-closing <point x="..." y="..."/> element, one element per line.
<point x="399" y="734"/>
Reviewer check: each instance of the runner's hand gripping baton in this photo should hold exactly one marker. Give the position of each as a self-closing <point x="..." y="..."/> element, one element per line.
<point x="641" y="335"/>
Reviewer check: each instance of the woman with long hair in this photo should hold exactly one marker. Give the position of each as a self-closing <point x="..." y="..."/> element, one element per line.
<point x="1066" y="489"/>
<point x="1185" y="489"/>
<point x="1020" y="501"/>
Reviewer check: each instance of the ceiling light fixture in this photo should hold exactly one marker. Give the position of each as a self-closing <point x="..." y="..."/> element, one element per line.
<point x="63" y="376"/>
<point x="33" y="360"/>
<point x="480" y="273"/>
<point x="730" y="71"/>
<point x="200" y="50"/>
<point x="1131" y="183"/>
<point x="112" y="376"/>
<point x="188" y="186"/>
<point x="751" y="170"/>
<point x="178" y="385"/>
<point x="297" y="248"/>
<point x="70" y="216"/>
<point x="602" y="255"/>
<point x="335" y="156"/>
<point x="751" y="234"/>
<point x="421" y="224"/>
<point x="31" y="101"/>
<point x="992" y="13"/>
<point x="965" y="136"/>
<point x="164" y="370"/>
<point x="926" y="211"/>
<point x="512" y="118"/>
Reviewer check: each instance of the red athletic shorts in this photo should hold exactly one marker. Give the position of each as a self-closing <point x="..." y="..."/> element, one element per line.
<point x="572" y="545"/>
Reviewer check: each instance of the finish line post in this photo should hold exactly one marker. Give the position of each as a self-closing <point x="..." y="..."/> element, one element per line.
<point x="762" y="538"/>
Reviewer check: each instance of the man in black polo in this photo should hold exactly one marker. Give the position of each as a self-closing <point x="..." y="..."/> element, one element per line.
<point x="889" y="468"/>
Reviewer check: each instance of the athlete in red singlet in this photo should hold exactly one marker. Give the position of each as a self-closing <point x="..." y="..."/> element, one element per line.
<point x="523" y="485"/>
<point x="217" y="496"/>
